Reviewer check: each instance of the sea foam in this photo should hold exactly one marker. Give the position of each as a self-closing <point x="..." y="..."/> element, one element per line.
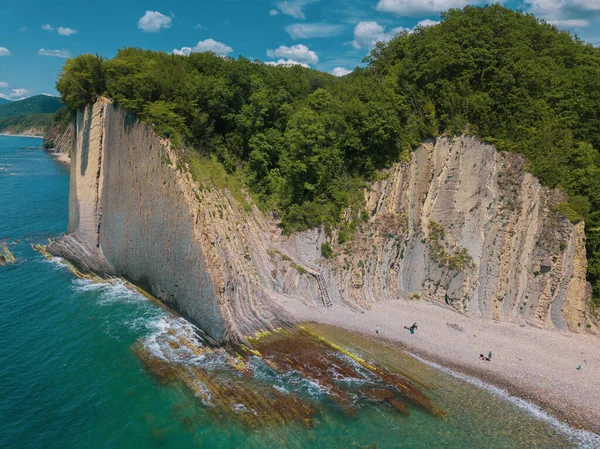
<point x="583" y="438"/>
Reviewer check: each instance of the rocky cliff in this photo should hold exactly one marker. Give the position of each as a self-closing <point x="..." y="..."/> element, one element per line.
<point x="58" y="140"/>
<point x="133" y="213"/>
<point x="465" y="225"/>
<point x="459" y="223"/>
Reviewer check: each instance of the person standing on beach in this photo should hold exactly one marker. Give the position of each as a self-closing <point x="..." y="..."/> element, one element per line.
<point x="412" y="328"/>
<point x="489" y="355"/>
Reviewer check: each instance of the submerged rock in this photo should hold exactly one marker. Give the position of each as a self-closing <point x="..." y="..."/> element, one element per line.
<point x="294" y="372"/>
<point x="6" y="256"/>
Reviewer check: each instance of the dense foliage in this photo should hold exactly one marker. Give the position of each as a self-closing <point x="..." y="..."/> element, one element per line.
<point x="305" y="142"/>
<point x="38" y="104"/>
<point x="517" y="83"/>
<point x="302" y="140"/>
<point x="21" y="123"/>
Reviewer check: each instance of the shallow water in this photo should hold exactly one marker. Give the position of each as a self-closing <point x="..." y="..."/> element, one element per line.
<point x="71" y="374"/>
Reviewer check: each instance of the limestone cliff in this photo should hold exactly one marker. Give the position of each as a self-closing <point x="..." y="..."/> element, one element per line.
<point x="58" y="140"/>
<point x="132" y="213"/>
<point x="465" y="225"/>
<point x="459" y="223"/>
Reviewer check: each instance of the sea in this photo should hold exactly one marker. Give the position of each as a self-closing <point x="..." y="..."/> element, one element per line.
<point x="75" y="370"/>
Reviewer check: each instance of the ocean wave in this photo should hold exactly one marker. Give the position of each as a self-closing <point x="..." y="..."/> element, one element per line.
<point x="165" y="342"/>
<point x="116" y="291"/>
<point x="583" y="438"/>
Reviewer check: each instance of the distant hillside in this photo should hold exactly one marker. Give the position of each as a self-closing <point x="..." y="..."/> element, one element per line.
<point x="39" y="104"/>
<point x="31" y="124"/>
<point x="4" y="101"/>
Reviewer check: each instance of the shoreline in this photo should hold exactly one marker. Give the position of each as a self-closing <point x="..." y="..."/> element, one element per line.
<point x="21" y="135"/>
<point x="61" y="158"/>
<point x="535" y="365"/>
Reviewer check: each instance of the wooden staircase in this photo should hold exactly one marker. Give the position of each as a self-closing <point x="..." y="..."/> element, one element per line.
<point x="324" y="293"/>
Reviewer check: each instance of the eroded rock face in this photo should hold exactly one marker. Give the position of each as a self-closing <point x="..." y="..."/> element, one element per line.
<point x="459" y="223"/>
<point x="466" y="225"/>
<point x="133" y="214"/>
<point x="57" y="140"/>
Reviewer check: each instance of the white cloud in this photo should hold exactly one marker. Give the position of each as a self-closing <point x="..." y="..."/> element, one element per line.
<point x="294" y="8"/>
<point x="340" y="71"/>
<point x="565" y="13"/>
<point x="298" y="52"/>
<point x="4" y="51"/>
<point x="183" y="51"/>
<point x="63" y="31"/>
<point x="3" y="85"/>
<point x="427" y="23"/>
<point x="287" y="63"/>
<point x="413" y="8"/>
<point x="311" y="30"/>
<point x="273" y="12"/>
<point x="56" y="53"/>
<point x="218" y="48"/>
<point x="367" y="34"/>
<point x="570" y="23"/>
<point x="153" y="21"/>
<point x="15" y="94"/>
<point x="66" y="31"/>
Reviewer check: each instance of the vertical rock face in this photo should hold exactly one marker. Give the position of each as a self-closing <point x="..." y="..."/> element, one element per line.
<point x="58" y="140"/>
<point x="465" y="225"/>
<point x="132" y="214"/>
<point x="459" y="223"/>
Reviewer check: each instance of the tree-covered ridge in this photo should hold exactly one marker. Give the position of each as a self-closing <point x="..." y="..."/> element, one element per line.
<point x="515" y="82"/>
<point x="305" y="142"/>
<point x="22" y="123"/>
<point x="302" y="139"/>
<point x="38" y="104"/>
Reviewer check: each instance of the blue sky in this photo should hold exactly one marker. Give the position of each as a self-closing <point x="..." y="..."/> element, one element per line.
<point x="329" y="35"/>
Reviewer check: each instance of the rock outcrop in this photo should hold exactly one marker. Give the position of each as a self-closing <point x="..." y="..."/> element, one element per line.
<point x="460" y="223"/>
<point x="133" y="213"/>
<point x="59" y="140"/>
<point x="465" y="225"/>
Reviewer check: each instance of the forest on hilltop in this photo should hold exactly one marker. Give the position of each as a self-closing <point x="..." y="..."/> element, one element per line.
<point x="38" y="104"/>
<point x="32" y="113"/>
<point x="305" y="142"/>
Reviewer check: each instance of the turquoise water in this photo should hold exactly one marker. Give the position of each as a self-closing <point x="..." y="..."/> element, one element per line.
<point x="69" y="377"/>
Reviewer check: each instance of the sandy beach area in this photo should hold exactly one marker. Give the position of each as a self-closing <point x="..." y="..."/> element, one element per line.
<point x="61" y="158"/>
<point x="21" y="135"/>
<point x="538" y="365"/>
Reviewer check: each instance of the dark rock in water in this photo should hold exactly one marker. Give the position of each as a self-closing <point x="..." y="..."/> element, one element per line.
<point x="7" y="257"/>
<point x="263" y="387"/>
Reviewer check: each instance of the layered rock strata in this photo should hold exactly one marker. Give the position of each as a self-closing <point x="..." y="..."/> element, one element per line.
<point x="465" y="225"/>
<point x="134" y="214"/>
<point x="59" y="140"/>
<point x="459" y="223"/>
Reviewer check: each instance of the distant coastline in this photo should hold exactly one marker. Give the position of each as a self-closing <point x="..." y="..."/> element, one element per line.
<point x="21" y="135"/>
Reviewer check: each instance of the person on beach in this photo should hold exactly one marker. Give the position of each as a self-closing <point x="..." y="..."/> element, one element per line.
<point x="412" y="328"/>
<point x="488" y="359"/>
<point x="377" y="329"/>
<point x="489" y="355"/>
